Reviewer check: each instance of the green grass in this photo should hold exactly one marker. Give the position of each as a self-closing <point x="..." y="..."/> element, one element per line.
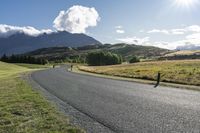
<point x="23" y="110"/>
<point x="33" y="66"/>
<point x="182" y="72"/>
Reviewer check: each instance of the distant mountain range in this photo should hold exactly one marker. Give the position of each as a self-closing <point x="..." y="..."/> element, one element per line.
<point x="22" y="43"/>
<point x="188" y="47"/>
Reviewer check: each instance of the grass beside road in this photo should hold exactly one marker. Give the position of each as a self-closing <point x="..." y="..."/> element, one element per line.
<point x="182" y="72"/>
<point x="33" y="66"/>
<point x="22" y="110"/>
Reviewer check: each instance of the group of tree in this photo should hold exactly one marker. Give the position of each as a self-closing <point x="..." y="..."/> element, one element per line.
<point x="23" y="59"/>
<point x="100" y="58"/>
<point x="76" y="59"/>
<point x="134" y="59"/>
<point x="103" y="58"/>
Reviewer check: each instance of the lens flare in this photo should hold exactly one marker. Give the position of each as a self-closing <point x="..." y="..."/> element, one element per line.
<point x="186" y="3"/>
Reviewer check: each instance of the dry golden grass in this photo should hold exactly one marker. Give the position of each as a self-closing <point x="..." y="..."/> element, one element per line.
<point x="179" y="71"/>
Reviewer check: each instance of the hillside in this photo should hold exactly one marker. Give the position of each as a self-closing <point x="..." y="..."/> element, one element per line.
<point x="141" y="51"/>
<point x="20" y="43"/>
<point x="60" y="53"/>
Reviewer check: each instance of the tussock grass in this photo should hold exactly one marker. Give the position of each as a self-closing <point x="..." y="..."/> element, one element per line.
<point x="23" y="110"/>
<point x="181" y="71"/>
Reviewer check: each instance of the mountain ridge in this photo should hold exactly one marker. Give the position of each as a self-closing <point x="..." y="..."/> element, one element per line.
<point x="21" y="43"/>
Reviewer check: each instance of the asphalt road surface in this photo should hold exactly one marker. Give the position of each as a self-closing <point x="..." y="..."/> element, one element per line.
<point x="125" y="106"/>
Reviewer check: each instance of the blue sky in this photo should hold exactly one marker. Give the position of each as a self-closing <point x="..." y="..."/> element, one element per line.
<point x="162" y="23"/>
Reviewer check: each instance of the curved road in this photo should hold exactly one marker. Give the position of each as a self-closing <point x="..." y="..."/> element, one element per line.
<point x="125" y="106"/>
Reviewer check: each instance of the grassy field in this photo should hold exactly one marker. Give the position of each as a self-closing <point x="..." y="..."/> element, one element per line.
<point x="183" y="71"/>
<point x="23" y="110"/>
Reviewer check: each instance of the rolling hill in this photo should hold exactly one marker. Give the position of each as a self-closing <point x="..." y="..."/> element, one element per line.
<point x="127" y="51"/>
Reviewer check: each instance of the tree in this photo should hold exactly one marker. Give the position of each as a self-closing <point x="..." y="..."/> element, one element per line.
<point x="23" y="59"/>
<point x="103" y="58"/>
<point x="134" y="59"/>
<point x="4" y="58"/>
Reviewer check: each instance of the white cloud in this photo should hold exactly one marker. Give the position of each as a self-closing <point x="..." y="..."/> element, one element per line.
<point x="188" y="29"/>
<point x="8" y="30"/>
<point x="193" y="36"/>
<point x="190" y="40"/>
<point x="120" y="31"/>
<point x="193" y="28"/>
<point x="178" y="31"/>
<point x="193" y="39"/>
<point x="134" y="40"/>
<point x="166" y="45"/>
<point x="118" y="27"/>
<point x="158" y="31"/>
<point x="76" y="19"/>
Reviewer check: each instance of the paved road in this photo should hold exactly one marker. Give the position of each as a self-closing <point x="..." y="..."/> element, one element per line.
<point x="125" y="106"/>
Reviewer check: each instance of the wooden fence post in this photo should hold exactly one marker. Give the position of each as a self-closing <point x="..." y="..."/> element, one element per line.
<point x="158" y="80"/>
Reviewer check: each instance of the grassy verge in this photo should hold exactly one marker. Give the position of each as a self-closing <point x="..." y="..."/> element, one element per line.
<point x="182" y="72"/>
<point x="23" y="110"/>
<point x="33" y="66"/>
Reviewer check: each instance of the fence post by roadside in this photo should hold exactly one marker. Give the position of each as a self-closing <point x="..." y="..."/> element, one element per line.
<point x="71" y="67"/>
<point x="158" y="80"/>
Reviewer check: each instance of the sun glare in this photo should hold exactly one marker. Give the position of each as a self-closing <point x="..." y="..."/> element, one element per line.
<point x="186" y="3"/>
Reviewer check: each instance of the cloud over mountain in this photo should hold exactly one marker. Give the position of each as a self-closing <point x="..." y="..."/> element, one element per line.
<point x="8" y="30"/>
<point x="76" y="19"/>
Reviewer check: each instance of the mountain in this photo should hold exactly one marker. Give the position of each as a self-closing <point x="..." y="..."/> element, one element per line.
<point x="126" y="50"/>
<point x="21" y="43"/>
<point x="188" y="47"/>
